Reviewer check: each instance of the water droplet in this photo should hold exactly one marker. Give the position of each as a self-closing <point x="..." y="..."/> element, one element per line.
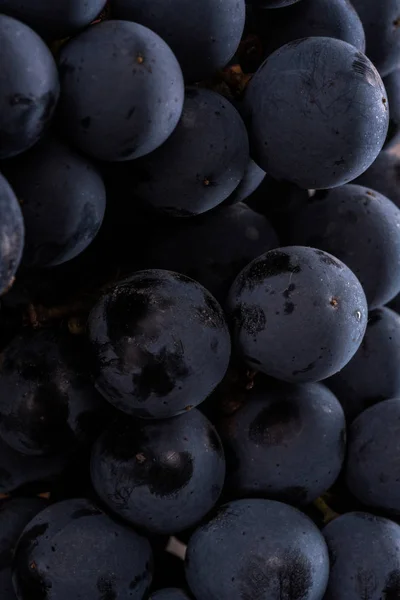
<point x="358" y="315"/>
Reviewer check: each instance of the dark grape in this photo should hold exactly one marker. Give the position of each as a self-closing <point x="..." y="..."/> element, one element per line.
<point x="392" y="85"/>
<point x="104" y="118"/>
<point x="253" y="177"/>
<point x="15" y="514"/>
<point x="318" y="113"/>
<point x="365" y="557"/>
<point x="285" y="443"/>
<point x="325" y="18"/>
<point x="373" y="451"/>
<point x="160" y="344"/>
<point x="298" y="314"/>
<point x="170" y="594"/>
<point x="48" y="404"/>
<point x="381" y="21"/>
<point x="73" y="550"/>
<point x="29" y="87"/>
<point x="162" y="476"/>
<point x="373" y="373"/>
<point x="203" y="34"/>
<point x="63" y="202"/>
<point x="53" y="20"/>
<point x="12" y="234"/>
<point x="383" y="176"/>
<point x="257" y="549"/>
<point x="361" y="228"/>
<point x="200" y="165"/>
<point x="213" y="248"/>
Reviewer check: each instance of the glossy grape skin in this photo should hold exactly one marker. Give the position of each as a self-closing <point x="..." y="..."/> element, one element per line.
<point x="18" y="470"/>
<point x="12" y="234"/>
<point x="63" y="202"/>
<point x="285" y="443"/>
<point x="382" y="31"/>
<point x="73" y="546"/>
<point x="361" y="228"/>
<point x="373" y="373"/>
<point x="325" y="18"/>
<point x="213" y="248"/>
<point x="326" y="120"/>
<point x="170" y="594"/>
<point x="53" y="20"/>
<point x="145" y="111"/>
<point x="298" y="314"/>
<point x="392" y="86"/>
<point x="162" y="476"/>
<point x="365" y="557"/>
<point x="203" y="34"/>
<point x="383" y="176"/>
<point x="160" y="344"/>
<point x="29" y="87"/>
<point x="15" y="514"/>
<point x="48" y="404"/>
<point x="372" y="462"/>
<point x="257" y="549"/>
<point x="200" y="165"/>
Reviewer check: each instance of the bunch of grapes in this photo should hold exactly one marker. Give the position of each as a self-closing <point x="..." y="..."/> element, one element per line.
<point x="200" y="300"/>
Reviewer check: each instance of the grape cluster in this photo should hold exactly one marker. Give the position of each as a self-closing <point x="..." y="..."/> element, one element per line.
<point x="199" y="300"/>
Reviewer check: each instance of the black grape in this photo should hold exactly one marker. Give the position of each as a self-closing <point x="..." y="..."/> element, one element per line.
<point x="253" y="177"/>
<point x="392" y="85"/>
<point x="202" y="162"/>
<point x="53" y="20"/>
<point x="286" y="443"/>
<point x="160" y="344"/>
<point x="203" y="34"/>
<point x="257" y="549"/>
<point x="170" y="594"/>
<point x="298" y="314"/>
<point x="12" y="234"/>
<point x="318" y="113"/>
<point x="18" y="470"/>
<point x="383" y="176"/>
<point x="372" y="473"/>
<point x="73" y="550"/>
<point x="162" y="476"/>
<point x="365" y="557"/>
<point x="373" y="373"/>
<point x="325" y="18"/>
<point x="63" y="201"/>
<point x="29" y="87"/>
<point x="15" y="514"/>
<point x="361" y="228"/>
<point x="104" y="118"/>
<point x="381" y="21"/>
<point x="48" y="403"/>
<point x="213" y="248"/>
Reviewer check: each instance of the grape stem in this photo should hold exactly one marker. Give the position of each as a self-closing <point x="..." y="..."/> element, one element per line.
<point x="327" y="512"/>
